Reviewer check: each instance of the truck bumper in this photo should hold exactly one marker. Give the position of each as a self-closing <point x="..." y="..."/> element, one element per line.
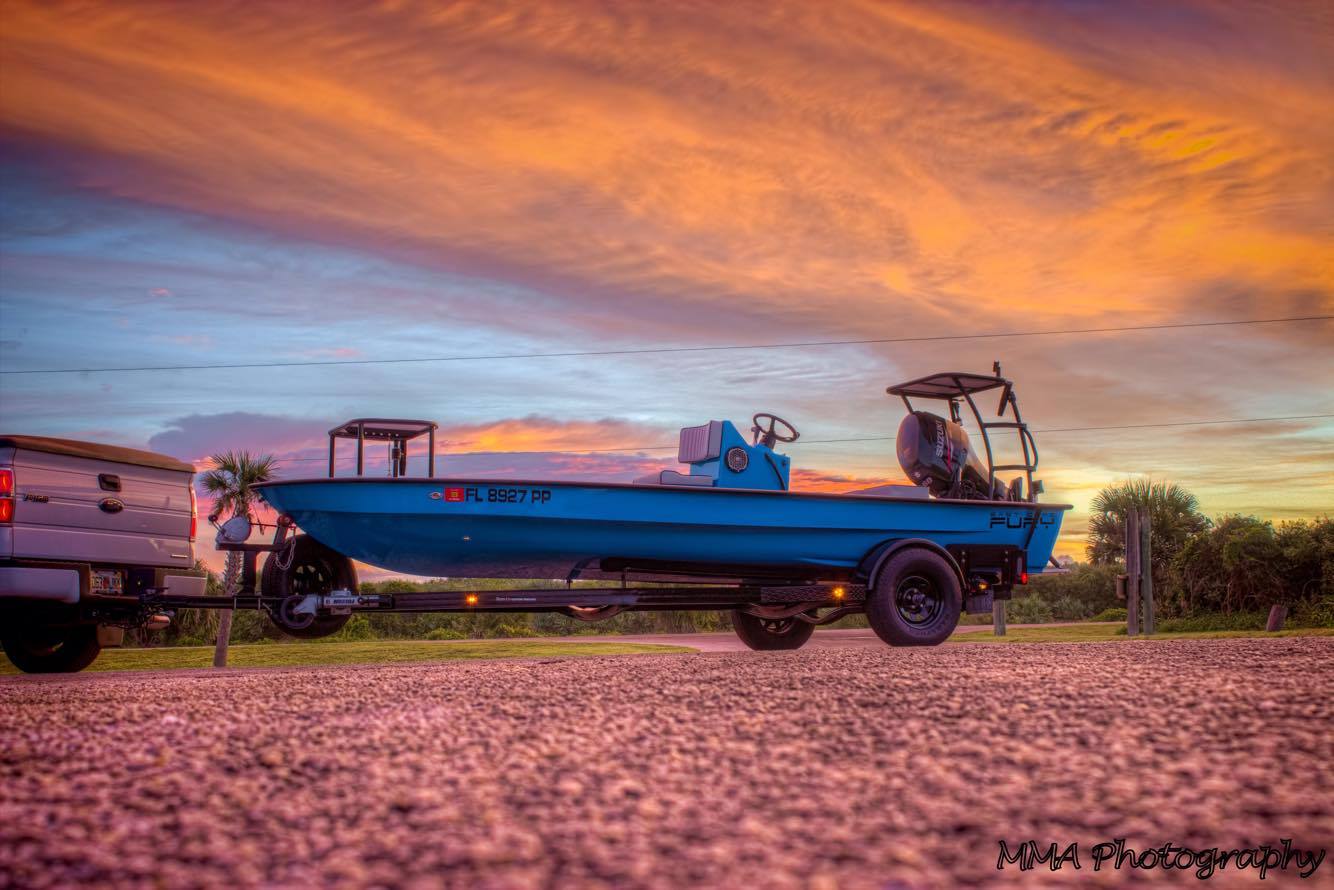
<point x="60" y="585"/>
<point x="183" y="584"/>
<point x="68" y="582"/>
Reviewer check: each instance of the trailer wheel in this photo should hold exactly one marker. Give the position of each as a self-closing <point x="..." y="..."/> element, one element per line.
<point x="765" y="634"/>
<point x="916" y="600"/>
<point x="313" y="568"/>
<point x="52" y="650"/>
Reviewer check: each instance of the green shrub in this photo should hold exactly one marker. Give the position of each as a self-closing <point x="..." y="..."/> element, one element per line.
<point x="1068" y="608"/>
<point x="1315" y="613"/>
<point x="1307" y="548"/>
<point x="253" y="626"/>
<point x="1029" y="610"/>
<point x="1232" y="567"/>
<point x="357" y="628"/>
<point x="445" y="633"/>
<point x="512" y="628"/>
<point x="416" y="625"/>
<point x="1211" y="621"/>
<point x="1116" y="613"/>
<point x="1214" y="621"/>
<point x="558" y="625"/>
<point x="1077" y="595"/>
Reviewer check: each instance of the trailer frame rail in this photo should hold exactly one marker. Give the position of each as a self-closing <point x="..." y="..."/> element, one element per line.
<point x="589" y="603"/>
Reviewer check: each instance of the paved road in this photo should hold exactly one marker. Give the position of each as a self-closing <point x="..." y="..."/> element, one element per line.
<point x="820" y="768"/>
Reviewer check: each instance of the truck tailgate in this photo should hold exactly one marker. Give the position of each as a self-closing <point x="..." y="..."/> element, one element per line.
<point x="77" y="508"/>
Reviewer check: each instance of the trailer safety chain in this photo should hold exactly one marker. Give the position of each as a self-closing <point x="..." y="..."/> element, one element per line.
<point x="283" y="558"/>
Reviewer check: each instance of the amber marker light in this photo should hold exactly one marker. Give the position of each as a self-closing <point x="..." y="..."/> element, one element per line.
<point x="838" y="593"/>
<point x="471" y="599"/>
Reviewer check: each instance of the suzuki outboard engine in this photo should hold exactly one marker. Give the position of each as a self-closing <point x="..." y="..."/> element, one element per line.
<point x="936" y="452"/>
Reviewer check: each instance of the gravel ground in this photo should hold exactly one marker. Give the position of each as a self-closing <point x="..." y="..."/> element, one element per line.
<point x="823" y="768"/>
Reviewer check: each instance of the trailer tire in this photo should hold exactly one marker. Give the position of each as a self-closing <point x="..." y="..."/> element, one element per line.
<point x="313" y="568"/>
<point x="767" y="634"/>
<point x="52" y="650"/>
<point x="916" y="600"/>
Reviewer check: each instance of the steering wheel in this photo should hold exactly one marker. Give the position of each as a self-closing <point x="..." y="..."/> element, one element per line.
<point x="769" y="437"/>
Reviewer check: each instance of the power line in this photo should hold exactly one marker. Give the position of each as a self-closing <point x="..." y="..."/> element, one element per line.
<point x="1128" y="426"/>
<point x="1068" y="429"/>
<point x="658" y="350"/>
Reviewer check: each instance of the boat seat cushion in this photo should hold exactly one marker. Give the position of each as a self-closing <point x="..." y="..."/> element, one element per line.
<point x="671" y="477"/>
<point x="701" y="443"/>
<point x="918" y="492"/>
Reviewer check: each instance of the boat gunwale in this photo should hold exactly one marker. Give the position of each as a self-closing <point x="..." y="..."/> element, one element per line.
<point x="550" y="483"/>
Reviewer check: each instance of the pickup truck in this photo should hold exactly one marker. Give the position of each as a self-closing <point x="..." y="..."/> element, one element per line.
<point x="85" y="529"/>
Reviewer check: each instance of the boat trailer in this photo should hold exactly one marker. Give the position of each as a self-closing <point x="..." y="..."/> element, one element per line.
<point x="583" y="601"/>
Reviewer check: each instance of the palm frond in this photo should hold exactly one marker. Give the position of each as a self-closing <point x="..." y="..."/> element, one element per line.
<point x="232" y="478"/>
<point x="1174" y="511"/>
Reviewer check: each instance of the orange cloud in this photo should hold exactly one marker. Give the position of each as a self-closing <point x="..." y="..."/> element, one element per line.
<point x="825" y="166"/>
<point x="535" y="433"/>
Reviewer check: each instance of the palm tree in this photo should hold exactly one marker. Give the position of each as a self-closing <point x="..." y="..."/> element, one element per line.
<point x="1173" y="511"/>
<point x="231" y="482"/>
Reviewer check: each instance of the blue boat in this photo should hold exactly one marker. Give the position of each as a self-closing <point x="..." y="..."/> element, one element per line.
<point x="474" y="528"/>
<point x="723" y="531"/>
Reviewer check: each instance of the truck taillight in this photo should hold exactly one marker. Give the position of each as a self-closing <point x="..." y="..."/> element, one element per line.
<point x="194" y="512"/>
<point x="6" y="495"/>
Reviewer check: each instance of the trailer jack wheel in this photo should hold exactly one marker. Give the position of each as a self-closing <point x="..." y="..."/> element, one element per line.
<point x="767" y="634"/>
<point x="311" y="568"/>
<point x="288" y="617"/>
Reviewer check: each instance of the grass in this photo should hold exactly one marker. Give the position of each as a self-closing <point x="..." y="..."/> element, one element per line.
<point x="372" y="652"/>
<point x="305" y="654"/>
<point x="1107" y="632"/>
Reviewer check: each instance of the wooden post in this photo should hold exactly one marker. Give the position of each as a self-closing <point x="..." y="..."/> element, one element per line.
<point x="1132" y="572"/>
<point x="223" y="640"/>
<point x="998" y="617"/>
<point x="1277" y="615"/>
<point x="1146" y="569"/>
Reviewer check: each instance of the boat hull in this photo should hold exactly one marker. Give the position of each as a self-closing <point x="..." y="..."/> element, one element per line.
<point x="504" y="529"/>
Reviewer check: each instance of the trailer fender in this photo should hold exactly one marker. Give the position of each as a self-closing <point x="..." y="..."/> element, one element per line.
<point x="869" y="567"/>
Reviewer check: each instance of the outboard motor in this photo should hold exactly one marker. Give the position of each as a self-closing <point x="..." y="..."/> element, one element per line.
<point x="936" y="452"/>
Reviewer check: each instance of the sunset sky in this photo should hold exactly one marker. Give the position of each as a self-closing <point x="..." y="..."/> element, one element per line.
<point x="197" y="184"/>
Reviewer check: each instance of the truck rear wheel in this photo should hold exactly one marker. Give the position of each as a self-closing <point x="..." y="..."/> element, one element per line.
<point x="52" y="650"/>
<point x="313" y="568"/>
<point x="765" y="634"/>
<point x="916" y="600"/>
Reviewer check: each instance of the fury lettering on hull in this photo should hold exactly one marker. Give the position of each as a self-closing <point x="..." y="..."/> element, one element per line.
<point x="1017" y="519"/>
